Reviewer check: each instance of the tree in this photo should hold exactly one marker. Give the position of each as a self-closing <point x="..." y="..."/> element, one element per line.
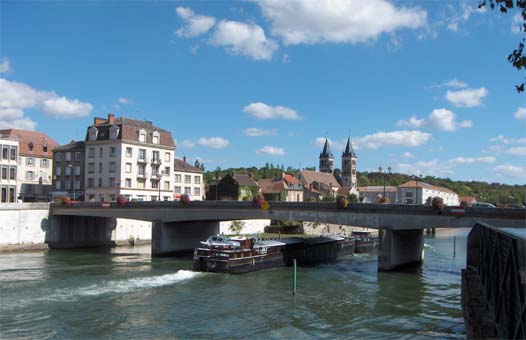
<point x="236" y="227"/>
<point x="518" y="57"/>
<point x="352" y="198"/>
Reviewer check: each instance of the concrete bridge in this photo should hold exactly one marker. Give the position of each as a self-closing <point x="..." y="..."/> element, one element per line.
<point x="179" y="228"/>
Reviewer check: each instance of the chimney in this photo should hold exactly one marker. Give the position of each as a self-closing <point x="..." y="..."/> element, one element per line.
<point x="184" y="159"/>
<point x="250" y="175"/>
<point x="98" y="120"/>
<point x="111" y="117"/>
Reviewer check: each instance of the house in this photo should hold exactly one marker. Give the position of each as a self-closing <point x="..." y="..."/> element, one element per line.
<point x="374" y="194"/>
<point x="8" y="168"/>
<point x="417" y="192"/>
<point x="286" y="188"/>
<point x="236" y="187"/>
<point x="317" y="184"/>
<point x="69" y="170"/>
<point x="188" y="179"/>
<point x="128" y="157"/>
<point x="35" y="164"/>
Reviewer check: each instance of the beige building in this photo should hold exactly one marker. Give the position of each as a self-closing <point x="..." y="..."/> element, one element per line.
<point x="8" y="168"/>
<point x="188" y="180"/>
<point x="287" y="189"/>
<point x="35" y="164"/>
<point x="68" y="171"/>
<point x="417" y="192"/>
<point x="128" y="157"/>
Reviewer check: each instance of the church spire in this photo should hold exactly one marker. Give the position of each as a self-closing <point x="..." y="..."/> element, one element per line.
<point x="349" y="150"/>
<point x="326" y="150"/>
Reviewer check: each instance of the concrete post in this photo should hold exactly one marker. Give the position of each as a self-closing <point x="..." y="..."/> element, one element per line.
<point x="400" y="248"/>
<point x="178" y="238"/>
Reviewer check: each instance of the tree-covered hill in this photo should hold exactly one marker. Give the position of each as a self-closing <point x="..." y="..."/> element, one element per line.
<point x="496" y="193"/>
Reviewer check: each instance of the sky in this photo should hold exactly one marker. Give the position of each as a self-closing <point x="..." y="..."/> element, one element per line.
<point x="421" y="86"/>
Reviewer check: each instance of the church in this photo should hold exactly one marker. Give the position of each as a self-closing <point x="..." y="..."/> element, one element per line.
<point x="328" y="180"/>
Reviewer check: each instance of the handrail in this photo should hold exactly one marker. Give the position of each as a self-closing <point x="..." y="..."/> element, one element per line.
<point x="499" y="260"/>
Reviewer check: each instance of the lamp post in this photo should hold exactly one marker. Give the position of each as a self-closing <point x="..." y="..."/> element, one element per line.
<point x="159" y="176"/>
<point x="73" y="170"/>
<point x="380" y="170"/>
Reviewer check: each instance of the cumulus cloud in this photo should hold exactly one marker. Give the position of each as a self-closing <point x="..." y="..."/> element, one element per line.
<point x="255" y="132"/>
<point x="123" y="100"/>
<point x="520" y="114"/>
<point x="472" y="160"/>
<point x="244" y="39"/>
<point x="271" y="150"/>
<point x="195" y="25"/>
<point x="456" y="84"/>
<point x="427" y="168"/>
<point x="517" y="151"/>
<point x="407" y="154"/>
<point x="213" y="142"/>
<point x="5" y="65"/>
<point x="16" y="97"/>
<point x="439" y="119"/>
<point x="467" y="97"/>
<point x="506" y="140"/>
<point x="337" y="21"/>
<point x="509" y="170"/>
<point x="264" y="111"/>
<point x="407" y="138"/>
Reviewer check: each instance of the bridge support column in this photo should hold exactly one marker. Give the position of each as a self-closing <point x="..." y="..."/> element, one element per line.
<point x="400" y="248"/>
<point x="177" y="238"/>
<point x="80" y="232"/>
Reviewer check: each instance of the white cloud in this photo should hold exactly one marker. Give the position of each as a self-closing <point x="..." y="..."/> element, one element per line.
<point x="508" y="170"/>
<point x="467" y="97"/>
<point x="335" y="145"/>
<point x="124" y="101"/>
<point x="505" y="140"/>
<point x="472" y="160"/>
<point x="16" y="97"/>
<point x="453" y="26"/>
<point x="439" y="119"/>
<point x="461" y="14"/>
<point x="264" y="111"/>
<point x="407" y="154"/>
<point x="517" y="151"/>
<point x="271" y="150"/>
<point x="456" y="83"/>
<point x="188" y="143"/>
<point x="337" y="21"/>
<point x="426" y="168"/>
<point x="517" y="24"/>
<point x="408" y="138"/>
<point x="194" y="24"/>
<point x="520" y="114"/>
<point x="213" y="142"/>
<point x="5" y="65"/>
<point x="255" y="132"/>
<point x="244" y="39"/>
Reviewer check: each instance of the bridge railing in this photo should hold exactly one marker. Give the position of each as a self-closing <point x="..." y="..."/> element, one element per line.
<point x="499" y="258"/>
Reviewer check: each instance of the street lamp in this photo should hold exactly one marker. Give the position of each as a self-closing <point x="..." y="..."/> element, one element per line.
<point x="380" y="170"/>
<point x="159" y="176"/>
<point x="73" y="169"/>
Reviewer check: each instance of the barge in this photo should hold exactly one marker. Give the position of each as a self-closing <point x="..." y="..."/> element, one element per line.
<point x="241" y="255"/>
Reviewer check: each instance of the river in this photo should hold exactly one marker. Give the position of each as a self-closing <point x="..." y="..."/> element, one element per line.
<point x="126" y="294"/>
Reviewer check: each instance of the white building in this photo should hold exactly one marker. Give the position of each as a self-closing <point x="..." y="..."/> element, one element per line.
<point x="35" y="164"/>
<point x="8" y="168"/>
<point x="128" y="157"/>
<point x="188" y="180"/>
<point x="416" y="192"/>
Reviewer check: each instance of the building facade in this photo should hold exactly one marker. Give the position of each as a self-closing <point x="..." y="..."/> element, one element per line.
<point x="286" y="188"/>
<point x="374" y="194"/>
<point x="35" y="164"/>
<point x="188" y="180"/>
<point x="417" y="192"/>
<point x="128" y="157"/>
<point x="9" y="169"/>
<point x="235" y="187"/>
<point x="68" y="171"/>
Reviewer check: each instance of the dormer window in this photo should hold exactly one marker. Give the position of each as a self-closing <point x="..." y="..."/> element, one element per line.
<point x="156" y="137"/>
<point x="44" y="147"/>
<point x="114" y="132"/>
<point x="142" y="135"/>
<point x="30" y="146"/>
<point x="93" y="133"/>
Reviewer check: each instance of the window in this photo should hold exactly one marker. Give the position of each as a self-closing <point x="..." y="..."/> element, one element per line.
<point x="197" y="179"/>
<point x="4" y="172"/>
<point x="113" y="151"/>
<point x="91" y="152"/>
<point x="30" y="161"/>
<point x="112" y="197"/>
<point x="101" y="152"/>
<point x="141" y="183"/>
<point x="68" y="156"/>
<point x="77" y="170"/>
<point x="140" y="198"/>
<point x="188" y="190"/>
<point x="127" y="168"/>
<point x="177" y="178"/>
<point x="44" y="162"/>
<point x="129" y="151"/>
<point x="77" y="184"/>
<point x="91" y="168"/>
<point x="112" y="182"/>
<point x="166" y="185"/>
<point x="142" y="154"/>
<point x="100" y="168"/>
<point x="197" y="191"/>
<point x="67" y="185"/>
<point x="44" y="148"/>
<point x="77" y="156"/>
<point x="187" y="179"/>
<point x="142" y="135"/>
<point x="112" y="166"/>
<point x="100" y="182"/>
<point x="12" y="173"/>
<point x="5" y="152"/>
<point x="58" y="170"/>
<point x="167" y="157"/>
<point x="156" y="137"/>
<point x="93" y="133"/>
<point x="68" y="171"/>
<point x="155" y="156"/>
<point x="114" y="132"/>
<point x="13" y="154"/>
<point x="30" y="146"/>
<point x="166" y="171"/>
<point x="127" y="182"/>
<point x="57" y="185"/>
<point x="91" y="183"/>
<point x="177" y="190"/>
<point x="153" y="198"/>
<point x="29" y="175"/>
<point x="141" y="169"/>
<point x="155" y="185"/>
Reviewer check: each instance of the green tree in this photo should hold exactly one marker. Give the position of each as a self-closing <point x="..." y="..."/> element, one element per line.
<point x="236" y="227"/>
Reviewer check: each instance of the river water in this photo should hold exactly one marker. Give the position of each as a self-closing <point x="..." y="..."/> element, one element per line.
<point x="125" y="294"/>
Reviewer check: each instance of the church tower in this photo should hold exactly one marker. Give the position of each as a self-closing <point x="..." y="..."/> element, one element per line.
<point x="349" y="166"/>
<point x="326" y="158"/>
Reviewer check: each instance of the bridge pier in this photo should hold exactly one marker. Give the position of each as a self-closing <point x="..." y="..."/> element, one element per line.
<point x="400" y="248"/>
<point x="79" y="232"/>
<point x="177" y="238"/>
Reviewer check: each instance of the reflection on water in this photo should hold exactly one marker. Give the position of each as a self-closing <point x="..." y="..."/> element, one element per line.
<point x="124" y="293"/>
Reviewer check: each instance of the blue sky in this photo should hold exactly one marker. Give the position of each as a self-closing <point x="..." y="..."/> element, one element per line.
<point x="423" y="87"/>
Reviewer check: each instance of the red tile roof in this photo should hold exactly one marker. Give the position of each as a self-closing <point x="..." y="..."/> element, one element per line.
<point x="38" y="140"/>
<point x="319" y="177"/>
<point x="413" y="184"/>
